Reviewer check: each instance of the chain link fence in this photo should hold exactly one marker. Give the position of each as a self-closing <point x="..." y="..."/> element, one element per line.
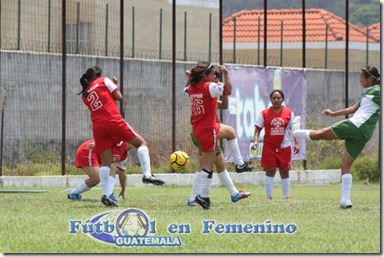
<point x="40" y="112"/>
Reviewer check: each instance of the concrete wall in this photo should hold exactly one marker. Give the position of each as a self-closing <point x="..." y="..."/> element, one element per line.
<point x="308" y="177"/>
<point x="32" y="84"/>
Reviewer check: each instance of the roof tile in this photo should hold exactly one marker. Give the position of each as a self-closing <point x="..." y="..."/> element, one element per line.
<point x="247" y="23"/>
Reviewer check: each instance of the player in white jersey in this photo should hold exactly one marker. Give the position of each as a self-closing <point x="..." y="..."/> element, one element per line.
<point x="356" y="131"/>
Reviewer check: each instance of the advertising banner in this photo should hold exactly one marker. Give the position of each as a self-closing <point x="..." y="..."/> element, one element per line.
<point x="251" y="87"/>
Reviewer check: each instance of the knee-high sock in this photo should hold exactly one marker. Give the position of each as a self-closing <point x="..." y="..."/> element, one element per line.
<point x="302" y="133"/>
<point x="145" y="163"/>
<point x="268" y="182"/>
<point x="227" y="182"/>
<point x="285" y="186"/>
<point x="81" y="188"/>
<point x="111" y="181"/>
<point x="104" y="172"/>
<point x="195" y="186"/>
<point x="206" y="181"/>
<point x="233" y="147"/>
<point x="346" y="186"/>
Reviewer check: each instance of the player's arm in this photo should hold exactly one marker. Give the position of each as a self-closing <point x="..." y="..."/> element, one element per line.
<point x="227" y="80"/>
<point x="256" y="137"/>
<point x="259" y="125"/>
<point x="188" y="74"/>
<point x="115" y="91"/>
<point x="296" y="148"/>
<point x="122" y="179"/>
<point x="346" y="111"/>
<point x="224" y="102"/>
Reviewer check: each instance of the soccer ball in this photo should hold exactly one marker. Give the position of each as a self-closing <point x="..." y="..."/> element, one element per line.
<point x="179" y="160"/>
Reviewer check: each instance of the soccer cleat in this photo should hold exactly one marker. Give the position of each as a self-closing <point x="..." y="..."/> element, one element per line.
<point x="296" y="123"/>
<point x="107" y="201"/>
<point x="243" y="168"/>
<point x="205" y="203"/>
<point x="269" y="198"/>
<point x="240" y="195"/>
<point x="346" y="204"/>
<point x="152" y="180"/>
<point x="74" y="197"/>
<point x="192" y="203"/>
<point x="113" y="198"/>
<point x="287" y="198"/>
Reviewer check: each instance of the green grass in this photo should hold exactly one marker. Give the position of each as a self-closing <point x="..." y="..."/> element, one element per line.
<point x="39" y="222"/>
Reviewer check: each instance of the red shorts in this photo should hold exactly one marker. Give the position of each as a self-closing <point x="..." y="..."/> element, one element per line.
<point x="207" y="138"/>
<point x="276" y="158"/>
<point x="109" y="133"/>
<point x="86" y="157"/>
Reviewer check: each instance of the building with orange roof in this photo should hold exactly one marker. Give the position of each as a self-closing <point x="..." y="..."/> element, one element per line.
<point x="374" y="31"/>
<point x="325" y="35"/>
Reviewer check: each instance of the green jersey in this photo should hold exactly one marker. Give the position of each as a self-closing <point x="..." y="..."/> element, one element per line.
<point x="368" y="112"/>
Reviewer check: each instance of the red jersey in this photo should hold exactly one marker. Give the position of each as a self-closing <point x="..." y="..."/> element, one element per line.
<point x="203" y="97"/>
<point x="277" y="127"/>
<point x="90" y="157"/>
<point x="100" y="101"/>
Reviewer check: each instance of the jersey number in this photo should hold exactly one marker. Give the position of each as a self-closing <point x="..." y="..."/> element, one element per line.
<point x="197" y="107"/>
<point x="94" y="101"/>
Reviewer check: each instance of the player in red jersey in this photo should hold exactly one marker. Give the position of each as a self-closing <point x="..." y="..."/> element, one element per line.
<point x="88" y="159"/>
<point x="226" y="180"/>
<point x="277" y="122"/>
<point x="109" y="128"/>
<point x="203" y="93"/>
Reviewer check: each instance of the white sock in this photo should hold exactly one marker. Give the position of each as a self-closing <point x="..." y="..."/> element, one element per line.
<point x="111" y="182"/>
<point x="196" y="185"/>
<point x="285" y="186"/>
<point x="143" y="154"/>
<point x="235" y="151"/>
<point x="268" y="182"/>
<point x="206" y="181"/>
<point x="346" y="186"/>
<point x="104" y="179"/>
<point x="302" y="133"/>
<point x="81" y="188"/>
<point x="227" y="182"/>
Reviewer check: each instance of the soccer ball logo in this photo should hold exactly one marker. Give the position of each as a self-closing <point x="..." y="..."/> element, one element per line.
<point x="132" y="223"/>
<point x="179" y="160"/>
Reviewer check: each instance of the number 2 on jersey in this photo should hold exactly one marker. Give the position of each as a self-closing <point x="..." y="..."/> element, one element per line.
<point x="94" y="101"/>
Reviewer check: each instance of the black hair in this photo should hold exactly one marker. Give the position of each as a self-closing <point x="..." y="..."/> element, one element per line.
<point x="85" y="79"/>
<point x="371" y="71"/>
<point x="200" y="69"/>
<point x="277" y="91"/>
<point x="217" y="74"/>
<point x="98" y="70"/>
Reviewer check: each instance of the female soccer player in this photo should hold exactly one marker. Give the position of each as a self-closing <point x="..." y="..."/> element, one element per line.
<point x="109" y="128"/>
<point x="276" y="153"/>
<point x="236" y="195"/>
<point x="203" y="93"/>
<point x="88" y="159"/>
<point x="355" y="131"/>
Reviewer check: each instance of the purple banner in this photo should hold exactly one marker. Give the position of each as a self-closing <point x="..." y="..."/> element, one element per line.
<point x="251" y="87"/>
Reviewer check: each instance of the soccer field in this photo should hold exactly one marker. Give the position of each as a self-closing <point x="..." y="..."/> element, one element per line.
<point x="310" y="223"/>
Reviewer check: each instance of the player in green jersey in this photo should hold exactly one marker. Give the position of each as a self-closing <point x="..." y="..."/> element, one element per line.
<point x="355" y="131"/>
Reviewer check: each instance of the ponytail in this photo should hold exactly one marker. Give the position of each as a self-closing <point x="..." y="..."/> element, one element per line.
<point x="86" y="79"/>
<point x="84" y="84"/>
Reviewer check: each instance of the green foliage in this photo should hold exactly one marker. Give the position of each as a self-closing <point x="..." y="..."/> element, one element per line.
<point x="318" y="152"/>
<point x="367" y="169"/>
<point x="330" y="164"/>
<point x="37" y="155"/>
